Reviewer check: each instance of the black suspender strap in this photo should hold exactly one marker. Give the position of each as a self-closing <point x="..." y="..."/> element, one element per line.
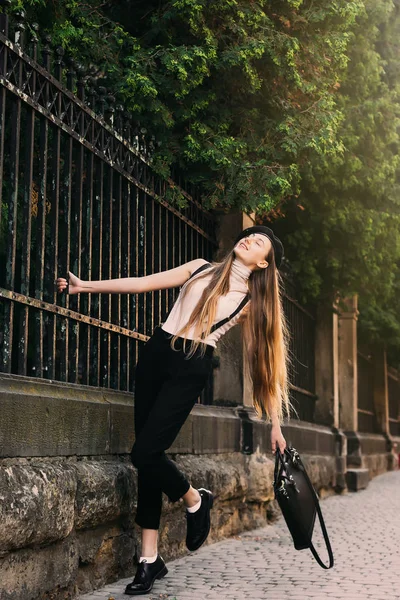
<point x="237" y="309"/>
<point x="235" y="312"/>
<point x="205" y="266"/>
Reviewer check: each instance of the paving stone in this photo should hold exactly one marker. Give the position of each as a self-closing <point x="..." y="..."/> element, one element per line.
<point x="364" y="529"/>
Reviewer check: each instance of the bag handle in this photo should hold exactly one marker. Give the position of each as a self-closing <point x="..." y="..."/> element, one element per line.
<point x="317" y="506"/>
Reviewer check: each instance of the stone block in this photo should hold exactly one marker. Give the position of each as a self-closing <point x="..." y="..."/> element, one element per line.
<point x="105" y="490"/>
<point x="52" y="426"/>
<point x="106" y="554"/>
<point x="122" y="433"/>
<point x="372" y="443"/>
<point x="62" y="420"/>
<point x="226" y="475"/>
<point x="307" y="438"/>
<point x="184" y="440"/>
<point x="260" y="471"/>
<point x="376" y="464"/>
<point x="215" y="430"/>
<point x="36" y="503"/>
<point x="40" y="572"/>
<point x="357" y="479"/>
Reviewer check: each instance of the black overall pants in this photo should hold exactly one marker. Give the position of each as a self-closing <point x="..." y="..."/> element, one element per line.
<point x="167" y="386"/>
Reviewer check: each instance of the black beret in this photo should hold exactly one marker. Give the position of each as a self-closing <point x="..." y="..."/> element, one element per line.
<point x="276" y="242"/>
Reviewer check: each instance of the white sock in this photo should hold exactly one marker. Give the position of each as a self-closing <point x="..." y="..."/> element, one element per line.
<point x="193" y="509"/>
<point x="148" y="559"/>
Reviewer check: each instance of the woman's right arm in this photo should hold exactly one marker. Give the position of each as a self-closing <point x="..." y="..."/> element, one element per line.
<point x="132" y="285"/>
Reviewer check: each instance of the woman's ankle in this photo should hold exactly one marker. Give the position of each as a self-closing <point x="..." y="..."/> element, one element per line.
<point x="191" y="497"/>
<point x="150" y="555"/>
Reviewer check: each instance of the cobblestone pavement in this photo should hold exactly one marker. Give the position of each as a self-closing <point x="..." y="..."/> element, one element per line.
<point x="364" y="529"/>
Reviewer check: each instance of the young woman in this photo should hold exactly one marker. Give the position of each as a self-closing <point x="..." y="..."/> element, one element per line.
<point x="175" y="364"/>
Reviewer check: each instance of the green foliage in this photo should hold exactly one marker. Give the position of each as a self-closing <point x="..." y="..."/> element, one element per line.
<point x="239" y="93"/>
<point x="289" y="108"/>
<point x="343" y="230"/>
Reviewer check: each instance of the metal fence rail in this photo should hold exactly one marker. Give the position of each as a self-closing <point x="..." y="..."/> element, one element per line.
<point x="78" y="193"/>
<point x="302" y="325"/>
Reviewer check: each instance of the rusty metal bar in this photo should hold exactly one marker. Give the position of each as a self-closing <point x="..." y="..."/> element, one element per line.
<point x="124" y="307"/>
<point x="66" y="202"/>
<point x="141" y="255"/>
<point x="115" y="262"/>
<point x="169" y="258"/>
<point x="366" y="412"/>
<point x="40" y="229"/>
<point x="87" y="212"/>
<point x="3" y="71"/>
<point x="118" y="245"/>
<point x="84" y="332"/>
<point x="12" y="232"/>
<point x="149" y="263"/>
<point x="25" y="253"/>
<point x="96" y="267"/>
<point x="163" y="260"/>
<point x="69" y="196"/>
<point x="105" y="301"/>
<point x="52" y="247"/>
<point x="77" y="349"/>
<point x="302" y="391"/>
<point x="70" y="314"/>
<point x="78" y="339"/>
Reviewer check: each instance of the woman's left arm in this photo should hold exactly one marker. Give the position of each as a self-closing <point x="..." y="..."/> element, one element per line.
<point x="277" y="439"/>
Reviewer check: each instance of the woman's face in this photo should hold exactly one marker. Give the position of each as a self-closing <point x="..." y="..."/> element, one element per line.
<point x="253" y="249"/>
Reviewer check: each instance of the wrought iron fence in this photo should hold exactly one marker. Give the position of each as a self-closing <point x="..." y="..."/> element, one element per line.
<point x="78" y="193"/>
<point x="365" y="384"/>
<point x="394" y="401"/>
<point x="302" y="324"/>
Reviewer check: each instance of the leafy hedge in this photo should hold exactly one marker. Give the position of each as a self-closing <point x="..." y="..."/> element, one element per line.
<point x="288" y="108"/>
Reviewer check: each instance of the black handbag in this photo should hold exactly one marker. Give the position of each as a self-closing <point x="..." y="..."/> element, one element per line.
<point x="298" y="501"/>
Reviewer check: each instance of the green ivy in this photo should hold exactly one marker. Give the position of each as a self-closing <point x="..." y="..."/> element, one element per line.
<point x="289" y="108"/>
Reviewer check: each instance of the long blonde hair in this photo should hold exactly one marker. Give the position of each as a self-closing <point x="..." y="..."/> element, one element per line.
<point x="265" y="332"/>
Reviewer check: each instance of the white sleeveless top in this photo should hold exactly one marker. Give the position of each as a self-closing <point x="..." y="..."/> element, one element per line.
<point x="183" y="308"/>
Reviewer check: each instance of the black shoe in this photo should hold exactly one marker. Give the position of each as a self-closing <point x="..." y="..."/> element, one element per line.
<point x="198" y="523"/>
<point x="145" y="575"/>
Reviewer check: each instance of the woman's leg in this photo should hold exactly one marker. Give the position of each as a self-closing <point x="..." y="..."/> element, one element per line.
<point x="148" y="382"/>
<point x="166" y="388"/>
<point x="191" y="497"/>
<point x="174" y="402"/>
<point x="160" y="412"/>
<point x="149" y="542"/>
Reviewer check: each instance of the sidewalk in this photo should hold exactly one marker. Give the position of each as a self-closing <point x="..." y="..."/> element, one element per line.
<point x="364" y="529"/>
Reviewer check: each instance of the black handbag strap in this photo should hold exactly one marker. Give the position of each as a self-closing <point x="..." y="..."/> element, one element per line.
<point x="317" y="506"/>
<point x="237" y="309"/>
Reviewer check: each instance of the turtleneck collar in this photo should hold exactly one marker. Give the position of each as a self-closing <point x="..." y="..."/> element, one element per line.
<point x="239" y="270"/>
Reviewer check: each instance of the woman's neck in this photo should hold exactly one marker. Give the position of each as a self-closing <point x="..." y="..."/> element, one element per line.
<point x="240" y="271"/>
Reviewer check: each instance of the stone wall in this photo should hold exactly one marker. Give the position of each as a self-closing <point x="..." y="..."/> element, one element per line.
<point x="68" y="488"/>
